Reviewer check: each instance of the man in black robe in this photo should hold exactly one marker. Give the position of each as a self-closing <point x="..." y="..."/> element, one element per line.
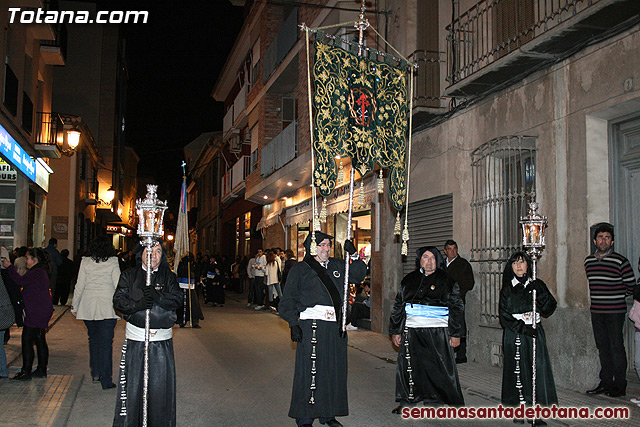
<point x="132" y="298"/>
<point x="426" y="324"/>
<point x="312" y="305"/>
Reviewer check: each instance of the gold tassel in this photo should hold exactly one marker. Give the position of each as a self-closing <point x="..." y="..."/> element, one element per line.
<point x="361" y="198"/>
<point x="405" y="239"/>
<point x="397" y="227"/>
<point x="340" y="178"/>
<point x="323" y="211"/>
<point x="316" y="223"/>
<point x="380" y="183"/>
<point x="313" y="249"/>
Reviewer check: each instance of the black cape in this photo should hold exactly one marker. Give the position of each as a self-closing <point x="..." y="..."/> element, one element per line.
<point x="519" y="299"/>
<point x="432" y="359"/>
<point x="162" y="375"/>
<point x="305" y="289"/>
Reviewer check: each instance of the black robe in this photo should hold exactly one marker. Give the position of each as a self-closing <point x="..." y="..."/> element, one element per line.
<point x="432" y="359"/>
<point x="185" y="309"/>
<point x="305" y="289"/>
<point x="519" y="300"/>
<point x="162" y="376"/>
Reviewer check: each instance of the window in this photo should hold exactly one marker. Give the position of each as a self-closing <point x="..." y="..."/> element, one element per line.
<point x="27" y="113"/>
<point x="10" y="90"/>
<point x="503" y="181"/>
<point x="289" y="111"/>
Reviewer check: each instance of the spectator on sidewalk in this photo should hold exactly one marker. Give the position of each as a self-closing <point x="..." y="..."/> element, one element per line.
<point x="426" y="324"/>
<point x="636" y="297"/>
<point x="290" y="262"/>
<point x="251" y="276"/>
<point x="93" y="303"/>
<point x="14" y="294"/>
<point x="259" y="271"/>
<point x="7" y="317"/>
<point x="65" y="277"/>
<point x="460" y="270"/>
<point x="272" y="277"/>
<point x="611" y="279"/>
<point x="38" y="311"/>
<point x="235" y="275"/>
<point x="361" y="307"/>
<point x="517" y="317"/>
<point x="132" y="299"/>
<point x="56" y="262"/>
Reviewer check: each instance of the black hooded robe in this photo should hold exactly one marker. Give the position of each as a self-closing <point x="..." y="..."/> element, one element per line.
<point x="433" y="367"/>
<point x="519" y="299"/>
<point x="162" y="375"/>
<point x="305" y="289"/>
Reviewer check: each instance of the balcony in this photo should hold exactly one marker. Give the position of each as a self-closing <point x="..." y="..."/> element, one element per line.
<point x="240" y="107"/>
<point x="227" y="122"/>
<point x="54" y="52"/>
<point x="280" y="151"/>
<point x="428" y="102"/>
<point x="233" y="182"/>
<point x="497" y="42"/>
<point x="281" y="45"/>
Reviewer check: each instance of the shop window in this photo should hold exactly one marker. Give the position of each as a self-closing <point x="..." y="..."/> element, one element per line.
<point x="503" y="181"/>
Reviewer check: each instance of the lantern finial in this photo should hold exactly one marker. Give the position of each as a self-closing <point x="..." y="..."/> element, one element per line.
<point x="533" y="230"/>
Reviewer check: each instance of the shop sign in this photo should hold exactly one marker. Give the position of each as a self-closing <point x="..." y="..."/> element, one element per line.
<point x="119" y="230"/>
<point x="7" y="173"/>
<point x="15" y="154"/>
<point x="60" y="227"/>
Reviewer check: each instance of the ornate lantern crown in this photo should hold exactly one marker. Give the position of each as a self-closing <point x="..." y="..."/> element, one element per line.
<point x="150" y="215"/>
<point x="533" y="229"/>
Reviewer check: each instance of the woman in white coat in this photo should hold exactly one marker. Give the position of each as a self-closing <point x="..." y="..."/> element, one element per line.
<point x="93" y="302"/>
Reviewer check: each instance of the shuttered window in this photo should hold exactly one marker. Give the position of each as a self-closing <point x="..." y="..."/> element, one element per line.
<point x="430" y="224"/>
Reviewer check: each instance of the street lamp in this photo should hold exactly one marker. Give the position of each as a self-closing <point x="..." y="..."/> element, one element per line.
<point x="150" y="213"/>
<point x="110" y="194"/>
<point x="533" y="229"/>
<point x="73" y="138"/>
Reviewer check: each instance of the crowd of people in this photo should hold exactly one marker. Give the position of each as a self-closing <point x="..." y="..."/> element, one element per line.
<point x="427" y="322"/>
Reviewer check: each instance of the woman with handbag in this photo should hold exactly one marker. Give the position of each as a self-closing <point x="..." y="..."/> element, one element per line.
<point x="93" y="302"/>
<point x="38" y="311"/>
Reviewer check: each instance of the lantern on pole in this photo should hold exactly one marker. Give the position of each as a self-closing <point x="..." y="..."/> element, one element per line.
<point x="150" y="213"/>
<point x="533" y="231"/>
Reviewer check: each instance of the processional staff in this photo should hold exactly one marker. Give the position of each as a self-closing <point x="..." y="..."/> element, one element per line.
<point x="150" y="213"/>
<point x="533" y="230"/>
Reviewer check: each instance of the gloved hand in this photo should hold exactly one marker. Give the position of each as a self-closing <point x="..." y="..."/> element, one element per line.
<point x="296" y="333"/>
<point x="349" y="247"/>
<point x="529" y="331"/>
<point x="148" y="297"/>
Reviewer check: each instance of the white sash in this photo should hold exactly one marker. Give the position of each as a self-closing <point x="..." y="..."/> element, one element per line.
<point x="319" y="312"/>
<point x="134" y="333"/>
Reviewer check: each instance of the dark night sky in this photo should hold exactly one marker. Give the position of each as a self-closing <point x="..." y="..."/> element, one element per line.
<point x="174" y="61"/>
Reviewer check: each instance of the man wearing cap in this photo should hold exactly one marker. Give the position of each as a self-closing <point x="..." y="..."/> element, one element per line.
<point x="312" y="305"/>
<point x="426" y="324"/>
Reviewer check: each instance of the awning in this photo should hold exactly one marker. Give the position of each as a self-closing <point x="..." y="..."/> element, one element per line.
<point x="269" y="220"/>
<point x="338" y="202"/>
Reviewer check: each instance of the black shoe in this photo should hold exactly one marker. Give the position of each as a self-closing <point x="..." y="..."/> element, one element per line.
<point x="96" y="379"/>
<point x="39" y="373"/>
<point x="397" y="409"/>
<point x="333" y="423"/>
<point x="616" y="393"/>
<point x="182" y="325"/>
<point x="196" y="326"/>
<point x="112" y="385"/>
<point x="598" y="390"/>
<point x="22" y="376"/>
<point x="460" y="360"/>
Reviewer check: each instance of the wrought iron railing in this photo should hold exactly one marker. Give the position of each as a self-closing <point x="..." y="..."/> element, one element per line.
<point x="426" y="85"/>
<point x="493" y="28"/>
<point x="504" y="176"/>
<point x="285" y="39"/>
